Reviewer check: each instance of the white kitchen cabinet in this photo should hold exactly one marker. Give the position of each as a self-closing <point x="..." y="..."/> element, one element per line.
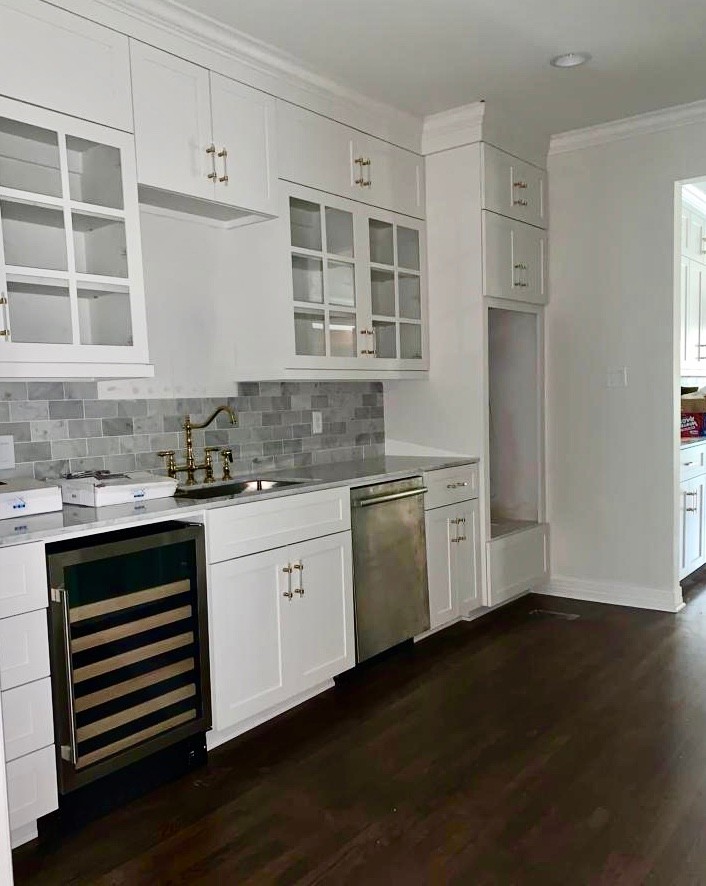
<point x="515" y="260"/>
<point x="356" y="285"/>
<point x="517" y="562"/>
<point x="63" y="62"/>
<point x="281" y="623"/>
<point x="513" y="188"/>
<point x="693" y="233"/>
<point x="201" y="137"/>
<point x="71" y="289"/>
<point x="693" y="316"/>
<point x="693" y="525"/>
<point x="326" y="155"/>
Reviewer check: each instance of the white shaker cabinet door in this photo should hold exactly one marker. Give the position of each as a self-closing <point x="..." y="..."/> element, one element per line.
<point x="246" y="608"/>
<point x="243" y="133"/>
<point x="440" y="530"/>
<point x="173" y="131"/>
<point x="389" y="176"/>
<point x="466" y="565"/>
<point x="319" y="618"/>
<point x="693" y="549"/>
<point x="514" y="260"/>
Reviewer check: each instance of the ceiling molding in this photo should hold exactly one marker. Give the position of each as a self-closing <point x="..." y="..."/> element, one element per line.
<point x="453" y="128"/>
<point x="172" y="17"/>
<point x="617" y="130"/>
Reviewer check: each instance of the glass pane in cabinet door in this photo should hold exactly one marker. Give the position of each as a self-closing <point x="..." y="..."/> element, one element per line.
<point x="385" y="339"/>
<point x="382" y="292"/>
<point x="410" y="341"/>
<point x="33" y="236"/>
<point x="104" y="316"/>
<point x="39" y="311"/>
<point x="342" y="332"/>
<point x="99" y="245"/>
<point x="308" y="279"/>
<point x="339" y="232"/>
<point x="410" y="297"/>
<point x="95" y="173"/>
<point x="309" y="337"/>
<point x="341" y="283"/>
<point x="29" y="158"/>
<point x="305" y="224"/>
<point x="408" y="248"/>
<point x="382" y="247"/>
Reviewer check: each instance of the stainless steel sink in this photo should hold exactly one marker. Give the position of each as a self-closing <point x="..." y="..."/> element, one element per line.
<point x="232" y="487"/>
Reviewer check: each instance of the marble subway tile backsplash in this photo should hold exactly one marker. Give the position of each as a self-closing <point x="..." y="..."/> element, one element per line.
<point x="62" y="426"/>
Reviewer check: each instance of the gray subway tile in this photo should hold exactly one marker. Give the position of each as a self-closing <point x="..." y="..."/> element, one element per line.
<point x="69" y="449"/>
<point x="135" y="443"/>
<point x="50" y="470"/>
<point x="132" y="408"/>
<point x="84" y="427"/>
<point x="66" y="409"/>
<point x="29" y="410"/>
<point x="151" y="424"/>
<point x="4" y="411"/>
<point x="13" y="390"/>
<point x="20" y="430"/>
<point x="32" y="451"/>
<point x="80" y="390"/>
<point x="103" y="445"/>
<point x="45" y="390"/>
<point x="119" y="463"/>
<point x="98" y="408"/>
<point x="49" y="430"/>
<point x="116" y="427"/>
<point x="94" y="463"/>
<point x="163" y="441"/>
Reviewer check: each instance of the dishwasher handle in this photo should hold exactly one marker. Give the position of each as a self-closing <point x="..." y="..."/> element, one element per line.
<point x="394" y="496"/>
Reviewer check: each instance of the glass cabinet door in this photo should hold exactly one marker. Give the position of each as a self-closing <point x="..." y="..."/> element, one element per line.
<point x="65" y="240"/>
<point x="395" y="290"/>
<point x="324" y="279"/>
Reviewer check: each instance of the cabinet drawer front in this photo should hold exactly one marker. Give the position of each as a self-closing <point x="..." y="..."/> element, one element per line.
<point x="391" y="177"/>
<point x="27" y="718"/>
<point x="513" y="187"/>
<point x="450" y="485"/>
<point x="24" y="649"/>
<point x="692" y="461"/>
<point x="31" y="787"/>
<point x="63" y="62"/>
<point x="514" y="260"/>
<point x="517" y="562"/>
<point x="24" y="579"/>
<point x="261" y="526"/>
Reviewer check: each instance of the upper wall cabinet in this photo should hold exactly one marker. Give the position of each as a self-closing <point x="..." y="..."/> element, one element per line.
<point x="63" y="62"/>
<point x="515" y="260"/>
<point x="320" y="153"/>
<point x="71" y="291"/>
<point x="205" y="143"/>
<point x="513" y="188"/>
<point x="693" y="234"/>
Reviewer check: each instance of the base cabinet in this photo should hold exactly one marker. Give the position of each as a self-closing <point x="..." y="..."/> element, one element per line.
<point x="517" y="562"/>
<point x="693" y="525"/>
<point x="281" y="623"/>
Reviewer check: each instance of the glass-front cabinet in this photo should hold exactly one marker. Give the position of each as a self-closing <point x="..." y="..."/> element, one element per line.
<point x="71" y="290"/>
<point x="358" y="297"/>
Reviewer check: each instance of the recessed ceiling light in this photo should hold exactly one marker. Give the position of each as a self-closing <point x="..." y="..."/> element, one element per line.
<point x="570" y="59"/>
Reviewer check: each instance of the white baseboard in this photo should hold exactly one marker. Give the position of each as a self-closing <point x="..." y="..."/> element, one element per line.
<point x="615" y="593"/>
<point x="25" y="833"/>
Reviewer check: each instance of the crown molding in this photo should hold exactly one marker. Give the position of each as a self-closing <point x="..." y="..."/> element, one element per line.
<point x="260" y="64"/>
<point x="628" y="127"/>
<point x="453" y="128"/>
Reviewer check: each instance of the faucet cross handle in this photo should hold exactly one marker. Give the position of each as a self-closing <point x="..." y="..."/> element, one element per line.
<point x="226" y="462"/>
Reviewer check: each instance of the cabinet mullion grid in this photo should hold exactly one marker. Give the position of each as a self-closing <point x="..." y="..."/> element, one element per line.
<point x="324" y="276"/>
<point x="69" y="234"/>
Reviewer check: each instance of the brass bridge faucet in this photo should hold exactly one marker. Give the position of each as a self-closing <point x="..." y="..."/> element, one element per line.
<point x="190" y="466"/>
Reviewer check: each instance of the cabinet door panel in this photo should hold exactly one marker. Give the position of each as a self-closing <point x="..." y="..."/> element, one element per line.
<point x="243" y="124"/>
<point x="693" y="540"/>
<point x="245" y="614"/>
<point x="320" y="622"/>
<point x="466" y="563"/>
<point x="393" y="179"/>
<point x="63" y="62"/>
<point x="512" y="187"/>
<point x="172" y="104"/>
<point x="443" y="602"/>
<point x="514" y="260"/>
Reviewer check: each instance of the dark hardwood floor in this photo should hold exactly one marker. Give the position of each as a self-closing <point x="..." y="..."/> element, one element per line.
<point x="522" y="748"/>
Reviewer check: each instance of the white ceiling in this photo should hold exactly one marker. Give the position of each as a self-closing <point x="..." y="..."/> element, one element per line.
<point x="428" y="55"/>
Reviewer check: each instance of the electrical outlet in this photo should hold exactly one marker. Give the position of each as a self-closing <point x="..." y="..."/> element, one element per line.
<point x="317" y="423"/>
<point x="617" y="378"/>
<point x="7" y="453"/>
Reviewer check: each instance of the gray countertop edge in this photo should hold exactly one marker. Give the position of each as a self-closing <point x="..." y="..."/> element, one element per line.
<point x="691" y="441"/>
<point x="76" y="520"/>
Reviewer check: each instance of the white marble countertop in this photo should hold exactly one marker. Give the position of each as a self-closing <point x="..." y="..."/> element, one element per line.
<point x="76" y="520"/>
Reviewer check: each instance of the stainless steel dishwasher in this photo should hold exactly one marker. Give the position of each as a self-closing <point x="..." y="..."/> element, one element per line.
<point x="389" y="564"/>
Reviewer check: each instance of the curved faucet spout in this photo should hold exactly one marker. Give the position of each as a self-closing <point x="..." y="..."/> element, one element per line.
<point x="227" y="409"/>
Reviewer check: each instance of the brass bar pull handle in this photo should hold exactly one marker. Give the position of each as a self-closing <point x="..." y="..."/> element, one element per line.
<point x="687" y="464"/>
<point x="288" y="593"/>
<point x="520" y="202"/>
<point x="520" y="184"/>
<point x="5" y="333"/>
<point x="369" y="181"/>
<point x="461" y="522"/>
<point x="300" y="569"/>
<point x="223" y="154"/>
<point x="359" y="179"/>
<point x="692" y="494"/>
<point x="211" y="150"/>
<point x="691" y="510"/>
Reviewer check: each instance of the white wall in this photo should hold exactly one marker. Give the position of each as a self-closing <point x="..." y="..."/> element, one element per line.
<point x="612" y="451"/>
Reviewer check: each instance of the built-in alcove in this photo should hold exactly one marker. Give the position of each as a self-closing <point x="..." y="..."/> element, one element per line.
<point x="515" y="409"/>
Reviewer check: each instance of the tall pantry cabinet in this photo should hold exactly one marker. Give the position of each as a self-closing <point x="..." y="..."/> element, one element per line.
<point x="487" y="266"/>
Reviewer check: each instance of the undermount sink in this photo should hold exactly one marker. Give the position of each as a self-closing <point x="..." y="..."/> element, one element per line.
<point x="220" y="489"/>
